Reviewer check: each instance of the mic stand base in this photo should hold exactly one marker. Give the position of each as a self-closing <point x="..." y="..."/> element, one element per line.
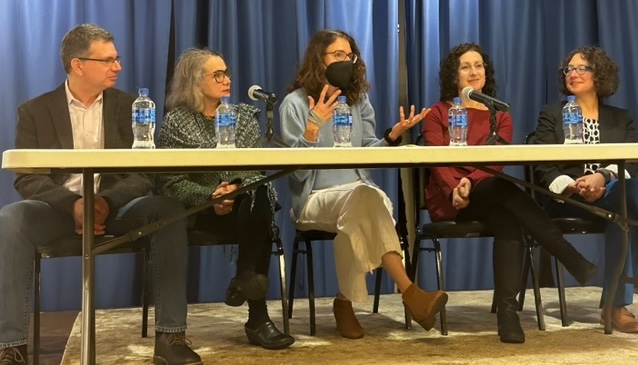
<point x="495" y="138"/>
<point x="270" y="139"/>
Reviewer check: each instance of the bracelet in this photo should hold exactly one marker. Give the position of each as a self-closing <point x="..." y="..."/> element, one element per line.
<point x="386" y="136"/>
<point x="606" y="173"/>
<point x="313" y="117"/>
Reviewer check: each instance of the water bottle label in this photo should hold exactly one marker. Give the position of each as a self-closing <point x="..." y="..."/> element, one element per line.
<point x="144" y="116"/>
<point x="342" y="120"/>
<point x="226" y="120"/>
<point x="459" y="121"/>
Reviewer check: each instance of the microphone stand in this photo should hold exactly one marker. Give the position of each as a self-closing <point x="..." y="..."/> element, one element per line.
<point x="493" y="137"/>
<point x="269" y="138"/>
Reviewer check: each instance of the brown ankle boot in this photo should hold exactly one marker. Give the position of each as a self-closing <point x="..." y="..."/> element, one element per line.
<point x="347" y="323"/>
<point x="423" y="306"/>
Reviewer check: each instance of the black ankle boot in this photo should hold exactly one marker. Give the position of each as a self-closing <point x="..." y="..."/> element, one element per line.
<point x="509" y="325"/>
<point x="508" y="266"/>
<point x="252" y="286"/>
<point x="14" y="355"/>
<point x="234" y="296"/>
<point x="172" y="349"/>
<point x="268" y="336"/>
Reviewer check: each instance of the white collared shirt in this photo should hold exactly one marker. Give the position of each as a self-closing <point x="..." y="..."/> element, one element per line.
<point x="88" y="133"/>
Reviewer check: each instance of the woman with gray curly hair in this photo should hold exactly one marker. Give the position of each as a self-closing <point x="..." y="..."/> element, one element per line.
<point x="200" y="81"/>
<point x="592" y="76"/>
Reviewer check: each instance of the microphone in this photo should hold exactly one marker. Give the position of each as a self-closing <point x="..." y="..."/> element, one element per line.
<point x="257" y="93"/>
<point x="469" y="93"/>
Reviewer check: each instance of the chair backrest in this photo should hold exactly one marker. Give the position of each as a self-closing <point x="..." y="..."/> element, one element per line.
<point x="420" y="176"/>
<point x="529" y="169"/>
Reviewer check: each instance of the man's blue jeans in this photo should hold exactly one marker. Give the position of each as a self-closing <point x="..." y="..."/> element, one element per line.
<point x="613" y="234"/>
<point x="29" y="225"/>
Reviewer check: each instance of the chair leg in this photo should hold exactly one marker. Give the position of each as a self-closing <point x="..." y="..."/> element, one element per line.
<point x="440" y="282"/>
<point x="408" y="269"/>
<point x="530" y="247"/>
<point x="36" y="308"/>
<point x="311" y="288"/>
<point x="293" y="277"/>
<point x="412" y="274"/>
<point x="406" y="255"/>
<point x="493" y="309"/>
<point x="146" y="289"/>
<point x="416" y="251"/>
<point x="282" y="282"/>
<point x="538" y="303"/>
<point x="377" y="290"/>
<point x="561" y="293"/>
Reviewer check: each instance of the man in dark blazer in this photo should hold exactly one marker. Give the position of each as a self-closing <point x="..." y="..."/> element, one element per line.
<point x="86" y="112"/>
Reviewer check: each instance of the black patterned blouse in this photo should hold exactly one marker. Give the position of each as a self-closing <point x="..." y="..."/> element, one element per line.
<point x="183" y="128"/>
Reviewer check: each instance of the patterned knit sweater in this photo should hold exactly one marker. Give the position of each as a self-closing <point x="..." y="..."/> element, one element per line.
<point x="183" y="128"/>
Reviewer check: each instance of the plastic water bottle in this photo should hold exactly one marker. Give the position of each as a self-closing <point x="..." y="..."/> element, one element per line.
<point x="457" y="124"/>
<point x="143" y="116"/>
<point x="226" y="121"/>
<point x="572" y="121"/>
<point x="342" y="123"/>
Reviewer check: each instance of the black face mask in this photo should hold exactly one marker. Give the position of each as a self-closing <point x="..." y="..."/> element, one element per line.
<point x="339" y="74"/>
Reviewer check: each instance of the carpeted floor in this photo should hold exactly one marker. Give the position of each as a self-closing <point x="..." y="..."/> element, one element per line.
<point x="217" y="334"/>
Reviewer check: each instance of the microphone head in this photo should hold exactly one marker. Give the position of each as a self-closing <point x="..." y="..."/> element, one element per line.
<point x="467" y="91"/>
<point x="251" y="90"/>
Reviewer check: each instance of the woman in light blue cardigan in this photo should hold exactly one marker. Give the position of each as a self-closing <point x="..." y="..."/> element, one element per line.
<point x="346" y="201"/>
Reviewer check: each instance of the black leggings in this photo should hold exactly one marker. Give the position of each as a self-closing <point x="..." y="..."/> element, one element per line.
<point x="489" y="204"/>
<point x="249" y="225"/>
<point x="507" y="210"/>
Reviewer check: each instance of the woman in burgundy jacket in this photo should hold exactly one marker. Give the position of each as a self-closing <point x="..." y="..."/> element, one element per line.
<point x="465" y="193"/>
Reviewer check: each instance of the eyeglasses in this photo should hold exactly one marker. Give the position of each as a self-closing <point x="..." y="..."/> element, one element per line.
<point x="108" y="62"/>
<point x="220" y="75"/>
<point x="579" y="69"/>
<point x="466" y="69"/>
<point x="342" y="56"/>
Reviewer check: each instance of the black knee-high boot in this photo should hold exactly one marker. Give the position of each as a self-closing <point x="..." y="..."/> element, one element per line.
<point x="508" y="263"/>
<point x="542" y="229"/>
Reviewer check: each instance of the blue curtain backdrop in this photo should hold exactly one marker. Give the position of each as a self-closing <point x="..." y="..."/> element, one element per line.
<point x="262" y="42"/>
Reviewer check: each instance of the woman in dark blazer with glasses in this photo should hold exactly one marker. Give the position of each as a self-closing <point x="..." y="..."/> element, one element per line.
<point x="592" y="76"/>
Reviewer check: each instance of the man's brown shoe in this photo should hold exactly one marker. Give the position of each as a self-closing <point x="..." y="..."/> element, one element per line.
<point x="347" y="323"/>
<point x="173" y="349"/>
<point x="423" y="306"/>
<point x="622" y="320"/>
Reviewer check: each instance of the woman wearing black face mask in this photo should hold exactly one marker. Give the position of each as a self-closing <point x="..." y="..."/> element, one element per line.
<point x="346" y="201"/>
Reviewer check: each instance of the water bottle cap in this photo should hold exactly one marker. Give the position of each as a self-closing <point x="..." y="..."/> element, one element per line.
<point x="571" y="98"/>
<point x="143" y="91"/>
<point x="225" y="99"/>
<point x="457" y="100"/>
<point x="341" y="98"/>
